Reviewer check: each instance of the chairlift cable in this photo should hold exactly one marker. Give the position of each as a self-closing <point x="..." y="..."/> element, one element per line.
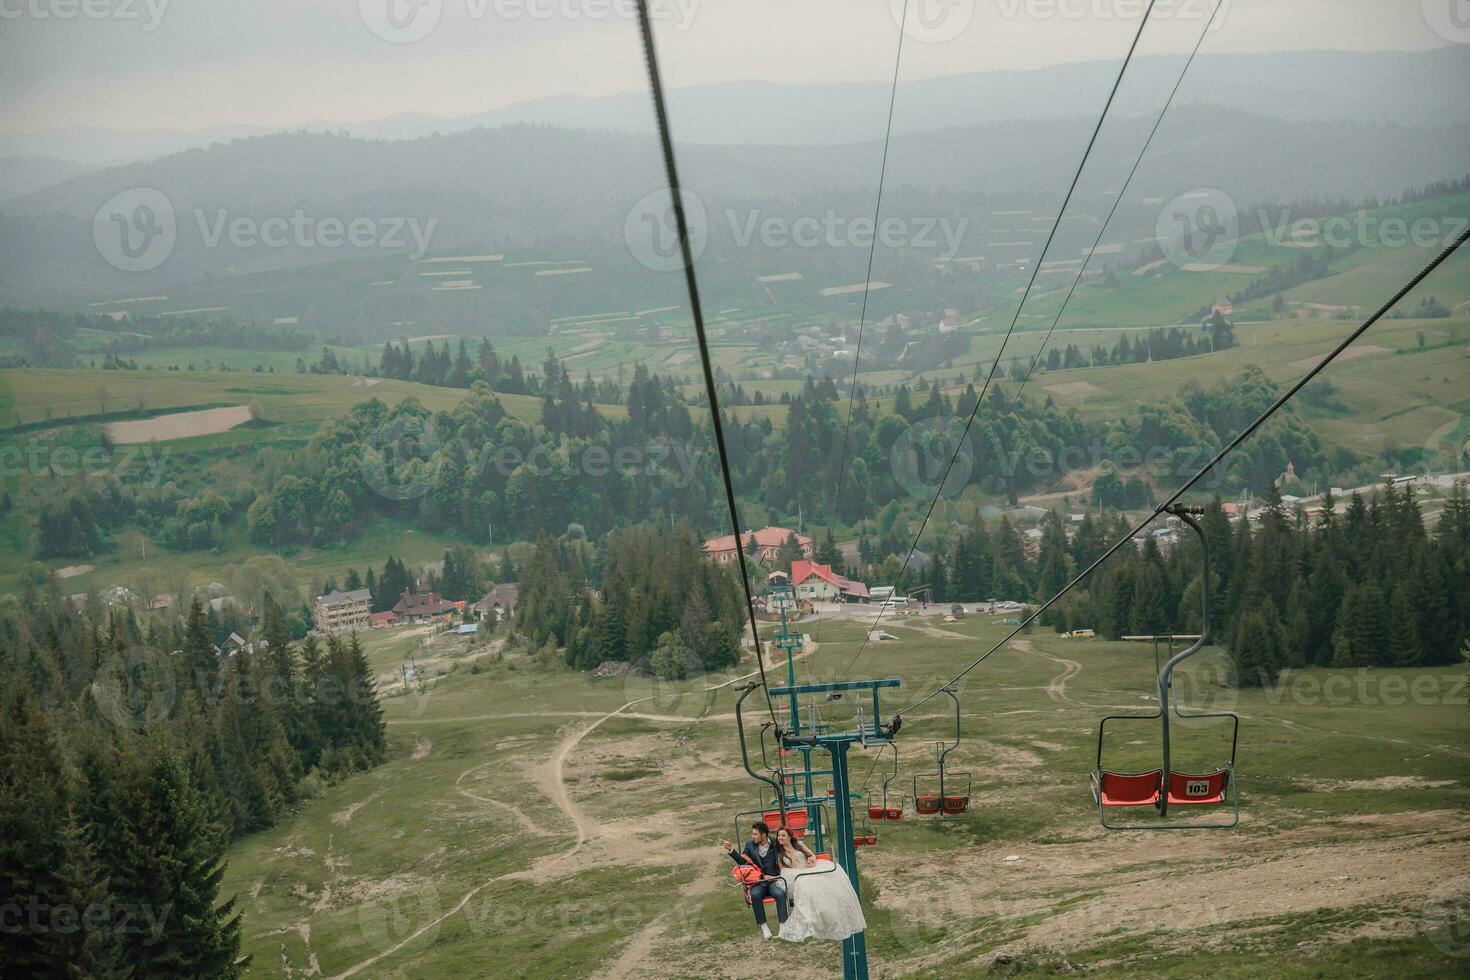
<point x="872" y="248"/>
<point x="666" y="141"/>
<point x="867" y="281"/>
<point x="1036" y="269"/>
<point x="1230" y="447"/>
<point x="1031" y="369"/>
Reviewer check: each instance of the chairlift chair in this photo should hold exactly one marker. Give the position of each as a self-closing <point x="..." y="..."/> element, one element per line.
<point x="944" y="802"/>
<point x="1166" y="786"/>
<point x="888" y="809"/>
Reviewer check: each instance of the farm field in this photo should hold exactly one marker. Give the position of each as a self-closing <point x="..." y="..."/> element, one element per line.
<point x="29" y="394"/>
<point x="534" y="822"/>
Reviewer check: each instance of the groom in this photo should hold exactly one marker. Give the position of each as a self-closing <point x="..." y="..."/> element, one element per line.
<point x="762" y="850"/>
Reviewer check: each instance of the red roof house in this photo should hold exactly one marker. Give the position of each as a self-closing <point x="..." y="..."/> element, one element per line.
<point x="813" y="580"/>
<point x="768" y="541"/>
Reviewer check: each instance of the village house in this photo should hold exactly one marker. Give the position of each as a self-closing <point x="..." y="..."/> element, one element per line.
<point x="423" y="607"/>
<point x="768" y="542"/>
<point x="813" y="581"/>
<point x="342" y="612"/>
<point x="383" y="620"/>
<point x="499" y="601"/>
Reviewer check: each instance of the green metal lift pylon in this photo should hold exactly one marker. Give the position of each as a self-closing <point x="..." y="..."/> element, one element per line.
<point x="807" y="738"/>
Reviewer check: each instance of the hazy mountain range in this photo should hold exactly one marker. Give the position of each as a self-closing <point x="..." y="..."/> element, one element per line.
<point x="1331" y="133"/>
<point x="1409" y="88"/>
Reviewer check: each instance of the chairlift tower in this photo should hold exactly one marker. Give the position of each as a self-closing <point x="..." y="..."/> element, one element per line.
<point x="807" y="737"/>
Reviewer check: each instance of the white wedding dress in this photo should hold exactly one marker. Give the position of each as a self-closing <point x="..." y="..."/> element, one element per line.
<point x="822" y="904"/>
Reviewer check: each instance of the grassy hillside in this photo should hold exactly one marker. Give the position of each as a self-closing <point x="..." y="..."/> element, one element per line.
<point x="519" y="830"/>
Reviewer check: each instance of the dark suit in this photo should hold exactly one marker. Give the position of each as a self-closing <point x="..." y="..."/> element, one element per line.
<point x="770" y="866"/>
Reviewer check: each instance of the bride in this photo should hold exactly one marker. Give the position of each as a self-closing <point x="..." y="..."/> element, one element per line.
<point x="823" y="903"/>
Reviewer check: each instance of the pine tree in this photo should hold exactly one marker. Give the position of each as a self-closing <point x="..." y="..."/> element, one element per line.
<point x="200" y="661"/>
<point x="1256" y="650"/>
<point x="1404" y="649"/>
<point x="46" y="867"/>
<point x="165" y="857"/>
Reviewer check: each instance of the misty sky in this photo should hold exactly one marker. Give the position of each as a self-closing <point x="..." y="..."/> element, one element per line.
<point x="190" y="64"/>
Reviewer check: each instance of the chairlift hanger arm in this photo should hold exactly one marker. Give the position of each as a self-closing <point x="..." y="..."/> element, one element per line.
<point x="745" y="752"/>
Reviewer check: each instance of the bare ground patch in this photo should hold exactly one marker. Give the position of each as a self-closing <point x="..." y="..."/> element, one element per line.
<point x="1352" y="353"/>
<point x="1075" y="389"/>
<point x="179" y="425"/>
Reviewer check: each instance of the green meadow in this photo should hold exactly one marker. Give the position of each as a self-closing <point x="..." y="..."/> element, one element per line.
<point x="532" y="821"/>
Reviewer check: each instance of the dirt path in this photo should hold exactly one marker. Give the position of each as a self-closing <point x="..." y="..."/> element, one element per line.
<point x="1056" y="688"/>
<point x="550" y="780"/>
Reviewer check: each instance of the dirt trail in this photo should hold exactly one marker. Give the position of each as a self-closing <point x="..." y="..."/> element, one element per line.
<point x="550" y="780"/>
<point x="1056" y="688"/>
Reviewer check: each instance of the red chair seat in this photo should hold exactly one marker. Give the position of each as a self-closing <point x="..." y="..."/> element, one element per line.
<point x="795" y="821"/>
<point x="877" y="813"/>
<point x="870" y="840"/>
<point x="956" y="804"/>
<point x="893" y="813"/>
<point x="926" y="804"/>
<point x="1187" y="789"/>
<point x="1129" y="789"/>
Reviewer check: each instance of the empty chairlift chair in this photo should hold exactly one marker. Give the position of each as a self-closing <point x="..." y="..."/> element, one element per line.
<point x="938" y="796"/>
<point x="1166" y="786"/>
<point x="889" y="807"/>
